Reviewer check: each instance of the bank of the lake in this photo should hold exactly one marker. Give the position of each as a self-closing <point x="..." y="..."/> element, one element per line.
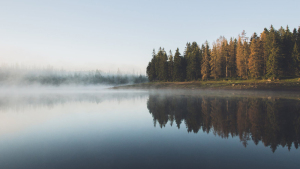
<point x="278" y="85"/>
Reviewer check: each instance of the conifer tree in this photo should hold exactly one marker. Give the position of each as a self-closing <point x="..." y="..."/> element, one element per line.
<point x="273" y="64"/>
<point x="178" y="66"/>
<point x="205" y="68"/>
<point x="274" y="69"/>
<point x="151" y="73"/>
<point x="240" y="59"/>
<point x="294" y="35"/>
<point x="196" y="52"/>
<point x="213" y="62"/>
<point x="162" y="65"/>
<point x="232" y="58"/>
<point x="265" y="49"/>
<point x="298" y="38"/>
<point x="287" y="48"/>
<point x="246" y="57"/>
<point x="255" y="58"/>
<point x="224" y="58"/>
<point x="156" y="64"/>
<point x="296" y="60"/>
<point x="192" y="57"/>
<point x="170" y="67"/>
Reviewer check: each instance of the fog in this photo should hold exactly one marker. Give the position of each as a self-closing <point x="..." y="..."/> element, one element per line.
<point x="22" y="76"/>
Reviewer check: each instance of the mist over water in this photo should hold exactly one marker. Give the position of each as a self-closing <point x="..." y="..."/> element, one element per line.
<point x="95" y="127"/>
<point x="22" y="76"/>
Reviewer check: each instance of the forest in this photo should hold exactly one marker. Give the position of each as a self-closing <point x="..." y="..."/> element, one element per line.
<point x="272" y="121"/>
<point x="274" y="54"/>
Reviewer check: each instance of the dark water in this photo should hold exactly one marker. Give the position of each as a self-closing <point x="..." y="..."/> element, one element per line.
<point x="149" y="130"/>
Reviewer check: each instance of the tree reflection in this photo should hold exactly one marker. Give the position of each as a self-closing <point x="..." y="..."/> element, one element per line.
<point x="273" y="121"/>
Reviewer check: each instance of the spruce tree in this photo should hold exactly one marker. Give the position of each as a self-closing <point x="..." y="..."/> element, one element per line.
<point x="296" y="60"/>
<point x="274" y="63"/>
<point x="255" y="58"/>
<point x="151" y="73"/>
<point x="225" y="58"/>
<point x="240" y="59"/>
<point x="162" y="65"/>
<point x="205" y="68"/>
<point x="246" y="57"/>
<point x="287" y="48"/>
<point x="192" y="57"/>
<point x="213" y="63"/>
<point x="232" y="58"/>
<point x="178" y="66"/>
<point x="170" y="67"/>
<point x="265" y="49"/>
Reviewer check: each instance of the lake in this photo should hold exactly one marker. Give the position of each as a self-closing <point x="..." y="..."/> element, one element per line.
<point x="99" y="128"/>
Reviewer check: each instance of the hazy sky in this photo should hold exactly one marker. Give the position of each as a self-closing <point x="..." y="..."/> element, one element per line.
<point x="96" y="34"/>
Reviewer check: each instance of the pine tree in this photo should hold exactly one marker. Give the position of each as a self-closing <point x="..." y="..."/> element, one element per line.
<point x="255" y="58"/>
<point x="170" y="67"/>
<point x="287" y="48"/>
<point x="273" y="68"/>
<point x="219" y="56"/>
<point x="265" y="49"/>
<point x="192" y="57"/>
<point x="151" y="73"/>
<point x="196" y="52"/>
<point x="205" y="68"/>
<point x="232" y="58"/>
<point x="246" y="57"/>
<point x="240" y="59"/>
<point x="162" y="65"/>
<point x="274" y="63"/>
<point x="298" y="38"/>
<point x="156" y="64"/>
<point x="178" y="67"/>
<point x="296" y="60"/>
<point x="213" y="62"/>
<point x="224" y="58"/>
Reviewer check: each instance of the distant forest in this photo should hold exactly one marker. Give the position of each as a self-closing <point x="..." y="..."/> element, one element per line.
<point x="272" y="55"/>
<point x="22" y="76"/>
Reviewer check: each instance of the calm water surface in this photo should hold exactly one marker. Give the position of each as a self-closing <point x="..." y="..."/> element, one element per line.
<point x="139" y="129"/>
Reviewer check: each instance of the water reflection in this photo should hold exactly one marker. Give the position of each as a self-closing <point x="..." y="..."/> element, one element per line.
<point x="273" y="121"/>
<point x="37" y="100"/>
<point x="101" y="129"/>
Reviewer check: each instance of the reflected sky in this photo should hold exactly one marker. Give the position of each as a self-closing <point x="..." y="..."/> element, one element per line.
<point x="116" y="130"/>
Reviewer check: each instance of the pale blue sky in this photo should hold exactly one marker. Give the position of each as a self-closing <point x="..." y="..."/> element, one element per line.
<point x="90" y="34"/>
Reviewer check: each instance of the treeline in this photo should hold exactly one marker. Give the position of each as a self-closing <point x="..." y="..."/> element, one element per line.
<point x="272" y="54"/>
<point x="272" y="121"/>
<point x="15" y="76"/>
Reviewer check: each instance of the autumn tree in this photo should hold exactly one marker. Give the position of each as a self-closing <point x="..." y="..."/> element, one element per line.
<point x="231" y="63"/>
<point x="241" y="59"/>
<point x="255" y="58"/>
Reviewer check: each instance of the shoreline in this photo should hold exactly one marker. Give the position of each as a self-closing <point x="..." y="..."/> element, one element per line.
<point x="278" y="85"/>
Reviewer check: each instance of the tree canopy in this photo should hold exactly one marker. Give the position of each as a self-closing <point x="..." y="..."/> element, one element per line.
<point x="272" y="54"/>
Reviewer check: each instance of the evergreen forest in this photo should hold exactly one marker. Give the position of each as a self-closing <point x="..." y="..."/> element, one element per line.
<point x="274" y="54"/>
